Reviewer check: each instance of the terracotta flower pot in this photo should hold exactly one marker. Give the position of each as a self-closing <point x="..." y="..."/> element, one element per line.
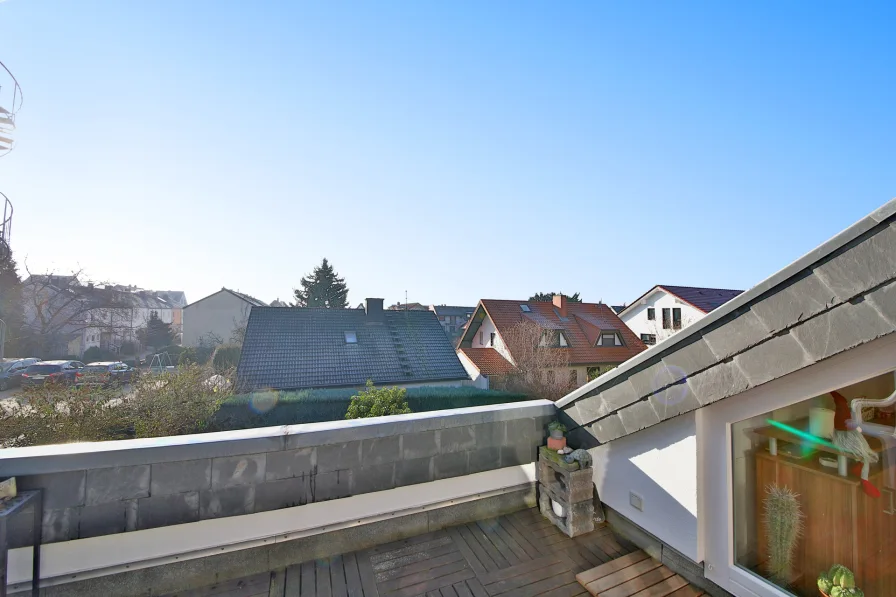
<point x="556" y="444"/>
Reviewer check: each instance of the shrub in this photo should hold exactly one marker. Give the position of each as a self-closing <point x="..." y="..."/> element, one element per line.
<point x="128" y="348"/>
<point x="95" y="353"/>
<point x="378" y="402"/>
<point x="226" y="357"/>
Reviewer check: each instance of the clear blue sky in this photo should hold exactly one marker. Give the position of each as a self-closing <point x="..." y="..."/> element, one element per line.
<point x="456" y="150"/>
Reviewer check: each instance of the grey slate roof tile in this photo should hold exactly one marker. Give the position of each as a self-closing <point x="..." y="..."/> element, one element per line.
<point x="295" y="348"/>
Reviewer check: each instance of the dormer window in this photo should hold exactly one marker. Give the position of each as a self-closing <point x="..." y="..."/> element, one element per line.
<point x="351" y="337"/>
<point x="553" y="339"/>
<point x="609" y="339"/>
<point x="563" y="342"/>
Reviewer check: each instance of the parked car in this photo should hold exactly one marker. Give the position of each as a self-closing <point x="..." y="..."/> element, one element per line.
<point x="52" y="371"/>
<point x="11" y="371"/>
<point x="106" y="374"/>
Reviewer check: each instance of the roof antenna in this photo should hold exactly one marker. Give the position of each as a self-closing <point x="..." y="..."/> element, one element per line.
<point x="405" y="300"/>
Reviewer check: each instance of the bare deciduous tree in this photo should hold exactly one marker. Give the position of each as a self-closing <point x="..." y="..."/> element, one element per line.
<point x="540" y="366"/>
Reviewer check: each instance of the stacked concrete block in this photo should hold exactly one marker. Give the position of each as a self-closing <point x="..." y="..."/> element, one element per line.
<point x="571" y="487"/>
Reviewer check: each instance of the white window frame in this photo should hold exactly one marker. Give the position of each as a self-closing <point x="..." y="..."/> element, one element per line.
<point x="715" y="500"/>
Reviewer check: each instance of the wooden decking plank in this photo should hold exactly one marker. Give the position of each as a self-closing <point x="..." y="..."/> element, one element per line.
<point x="610" y="567"/>
<point x="433" y="583"/>
<point x="592" y="548"/>
<point x="476" y="587"/>
<point x="570" y="590"/>
<point x="238" y="587"/>
<point x="487" y="546"/>
<point x="543" y="586"/>
<point x="352" y="576"/>
<point x="365" y="571"/>
<point x="418" y="577"/>
<point x="322" y="572"/>
<point x="278" y="583"/>
<point x="527" y="578"/>
<point x="410" y="559"/>
<point x="606" y="540"/>
<point x="293" y="580"/>
<point x="639" y="583"/>
<point x="402" y="543"/>
<point x="490" y="529"/>
<point x="529" y="514"/>
<point x="480" y="554"/>
<point x="466" y="550"/>
<point x="448" y="591"/>
<point x="337" y="577"/>
<point x="433" y="594"/>
<point x="664" y="588"/>
<point x="308" y="585"/>
<point x="453" y="556"/>
<point x="376" y="558"/>
<point x="462" y="589"/>
<point x="688" y="591"/>
<point x="521" y="540"/>
<point x="605" y="583"/>
<point x="504" y="573"/>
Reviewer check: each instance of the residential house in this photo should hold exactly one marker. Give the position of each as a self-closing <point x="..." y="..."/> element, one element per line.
<point x="773" y="389"/>
<point x="596" y="339"/>
<point x="406" y="307"/>
<point x="297" y="347"/>
<point x="453" y="319"/>
<point x="218" y="318"/>
<point x="664" y="310"/>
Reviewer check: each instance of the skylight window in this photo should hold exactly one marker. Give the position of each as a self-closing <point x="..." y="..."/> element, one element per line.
<point x="351" y="338"/>
<point x="525" y="308"/>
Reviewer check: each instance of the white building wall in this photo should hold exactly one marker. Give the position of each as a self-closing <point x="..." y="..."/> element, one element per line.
<point x="217" y="314"/>
<point x="478" y="379"/>
<point x="659" y="465"/>
<point x="483" y="337"/>
<point x="636" y="316"/>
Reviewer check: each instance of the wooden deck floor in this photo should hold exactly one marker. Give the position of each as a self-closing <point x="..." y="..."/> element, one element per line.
<point x="519" y="555"/>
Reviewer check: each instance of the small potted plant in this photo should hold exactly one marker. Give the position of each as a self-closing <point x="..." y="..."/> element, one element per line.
<point x="839" y="581"/>
<point x="556" y="439"/>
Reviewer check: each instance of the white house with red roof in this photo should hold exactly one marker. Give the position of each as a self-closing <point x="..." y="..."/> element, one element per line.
<point x="594" y="336"/>
<point x="664" y="310"/>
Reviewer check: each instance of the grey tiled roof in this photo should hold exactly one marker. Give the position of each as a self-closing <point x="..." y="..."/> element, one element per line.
<point x="295" y="348"/>
<point x="443" y="310"/>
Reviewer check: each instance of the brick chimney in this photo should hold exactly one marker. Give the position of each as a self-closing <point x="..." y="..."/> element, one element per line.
<point x="373" y="307"/>
<point x="560" y="303"/>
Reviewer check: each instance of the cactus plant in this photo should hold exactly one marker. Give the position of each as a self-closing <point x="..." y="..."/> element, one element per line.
<point x="783" y="522"/>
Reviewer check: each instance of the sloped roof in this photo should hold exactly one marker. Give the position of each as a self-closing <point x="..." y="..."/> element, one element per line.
<point x="705" y="299"/>
<point x="836" y="297"/>
<point x="505" y="314"/>
<point x="296" y="348"/>
<point x="249" y="299"/>
<point x="488" y="360"/>
<point x="443" y="310"/>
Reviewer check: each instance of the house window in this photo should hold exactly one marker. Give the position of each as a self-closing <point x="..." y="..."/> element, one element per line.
<point x="676" y="318"/>
<point x="649" y="339"/>
<point x="784" y="467"/>
<point x="667" y="319"/>
<point x="563" y="342"/>
<point x="351" y="338"/>
<point x="651" y="314"/>
<point x="481" y="341"/>
<point x="608" y="340"/>
<point x="491" y="339"/>
<point x="525" y="308"/>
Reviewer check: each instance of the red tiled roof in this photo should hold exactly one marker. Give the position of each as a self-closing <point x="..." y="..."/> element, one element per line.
<point x="581" y="327"/>
<point x="488" y="360"/>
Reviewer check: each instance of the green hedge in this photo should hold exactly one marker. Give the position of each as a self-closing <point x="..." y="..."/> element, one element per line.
<point x="265" y="409"/>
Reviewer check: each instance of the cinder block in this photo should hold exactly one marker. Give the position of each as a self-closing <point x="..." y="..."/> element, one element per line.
<point x="484" y="459"/>
<point x="721" y="381"/>
<point x="167" y="510"/>
<point x="287" y="464"/>
<point x="579" y="485"/>
<point x="335" y="457"/>
<point x="61" y="490"/>
<point x="285" y="493"/>
<point x="453" y="464"/>
<point x="419" y="445"/>
<point x="118" y="483"/>
<point x="457" y="439"/>
<point x="230" y="501"/>
<point x="517" y="454"/>
<point x="105" y="519"/>
<point x="772" y="359"/>
<point x="491" y="435"/>
<point x="841" y="328"/>
<point x="331" y="485"/>
<point x="380" y="450"/>
<point x="373" y="478"/>
<point x="238" y="470"/>
<point x="411" y="472"/>
<point x="800" y="300"/>
<point x="736" y="335"/>
<point x="638" y="416"/>
<point x="180" y="477"/>
<point x="578" y="518"/>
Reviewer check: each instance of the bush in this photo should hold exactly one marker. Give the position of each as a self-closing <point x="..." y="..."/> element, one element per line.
<point x="199" y="355"/>
<point x="378" y="402"/>
<point x="128" y="348"/>
<point x="226" y="357"/>
<point x="95" y="353"/>
<point x="176" y="403"/>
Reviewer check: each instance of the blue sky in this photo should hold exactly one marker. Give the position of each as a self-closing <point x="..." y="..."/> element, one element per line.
<point x="453" y="150"/>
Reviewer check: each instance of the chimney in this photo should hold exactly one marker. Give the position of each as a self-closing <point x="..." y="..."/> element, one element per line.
<point x="373" y="307"/>
<point x="560" y="303"/>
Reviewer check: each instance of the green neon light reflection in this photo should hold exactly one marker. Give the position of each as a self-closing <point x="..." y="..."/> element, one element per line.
<point x="801" y="434"/>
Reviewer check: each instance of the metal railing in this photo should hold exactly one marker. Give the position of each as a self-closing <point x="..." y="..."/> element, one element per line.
<point x="10" y="102"/>
<point x="5" y="227"/>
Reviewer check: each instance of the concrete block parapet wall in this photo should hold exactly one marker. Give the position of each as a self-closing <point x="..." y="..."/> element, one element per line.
<point x="112" y="487"/>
